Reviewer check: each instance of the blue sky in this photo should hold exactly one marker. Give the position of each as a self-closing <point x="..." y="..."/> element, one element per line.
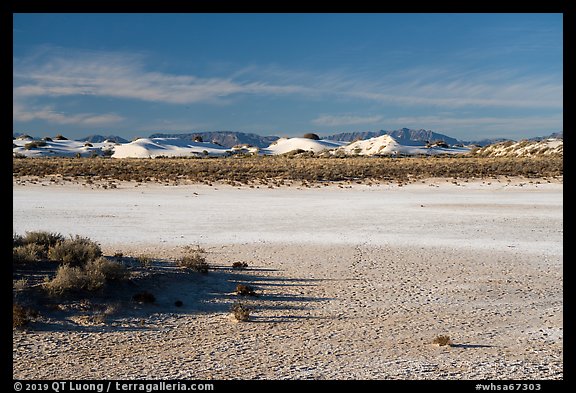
<point x="469" y="76"/>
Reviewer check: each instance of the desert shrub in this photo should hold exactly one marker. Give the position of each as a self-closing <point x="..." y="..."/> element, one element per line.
<point x="111" y="270"/>
<point x="102" y="315"/>
<point x="74" y="278"/>
<point x="241" y="312"/>
<point x="144" y="260"/>
<point x="193" y="249"/>
<point x="91" y="276"/>
<point x="21" y="316"/>
<point x="442" y="340"/>
<point x="239" y="265"/>
<point x="33" y="246"/>
<point x="17" y="240"/>
<point x="28" y="253"/>
<point x="42" y="238"/>
<point x="245" y="290"/>
<point x="312" y="136"/>
<point x="76" y="251"/>
<point x="144" y="297"/>
<point x="20" y="284"/>
<point x="194" y="260"/>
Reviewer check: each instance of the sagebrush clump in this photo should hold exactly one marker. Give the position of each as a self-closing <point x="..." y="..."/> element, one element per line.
<point x="241" y="312"/>
<point x="112" y="271"/>
<point x="442" y="340"/>
<point x="245" y="290"/>
<point x="194" y="261"/>
<point x="42" y="238"/>
<point x="28" y="253"/>
<point x="19" y="316"/>
<point x="75" y="251"/>
<point x="145" y="260"/>
<point x="33" y="246"/>
<point x="93" y="275"/>
<point x="22" y="316"/>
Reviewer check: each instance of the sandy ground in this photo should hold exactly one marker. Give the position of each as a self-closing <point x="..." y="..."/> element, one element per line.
<point x="354" y="283"/>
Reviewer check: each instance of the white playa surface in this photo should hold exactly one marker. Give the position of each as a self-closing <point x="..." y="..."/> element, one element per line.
<point x="473" y="215"/>
<point x="354" y="282"/>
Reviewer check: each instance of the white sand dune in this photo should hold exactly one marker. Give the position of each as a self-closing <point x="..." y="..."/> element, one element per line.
<point x="169" y="147"/>
<point x="177" y="147"/>
<point x="286" y="145"/>
<point x="59" y="148"/>
<point x="387" y="145"/>
<point x="526" y="148"/>
<point x="174" y="147"/>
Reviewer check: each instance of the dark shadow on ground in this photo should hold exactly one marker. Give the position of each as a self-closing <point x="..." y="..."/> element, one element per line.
<point x="177" y="291"/>
<point x="467" y="346"/>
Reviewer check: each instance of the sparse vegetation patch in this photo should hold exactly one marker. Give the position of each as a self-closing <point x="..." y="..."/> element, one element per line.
<point x="245" y="290"/>
<point x="239" y="265"/>
<point x="93" y="275"/>
<point x="442" y="340"/>
<point x="71" y="277"/>
<point x="22" y="316"/>
<point x="75" y="251"/>
<point x="194" y="260"/>
<point x="241" y="312"/>
<point x="308" y="168"/>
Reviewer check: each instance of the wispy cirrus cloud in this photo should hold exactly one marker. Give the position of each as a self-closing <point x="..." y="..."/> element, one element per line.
<point x="450" y="87"/>
<point x="41" y="80"/>
<point x="120" y="76"/>
<point x="49" y="114"/>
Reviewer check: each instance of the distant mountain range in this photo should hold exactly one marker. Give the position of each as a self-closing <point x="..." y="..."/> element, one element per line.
<point x="555" y="135"/>
<point x="229" y="139"/>
<point x="403" y="135"/>
<point x="100" y="139"/>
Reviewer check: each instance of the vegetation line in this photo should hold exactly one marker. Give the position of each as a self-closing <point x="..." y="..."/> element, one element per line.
<point x="252" y="170"/>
